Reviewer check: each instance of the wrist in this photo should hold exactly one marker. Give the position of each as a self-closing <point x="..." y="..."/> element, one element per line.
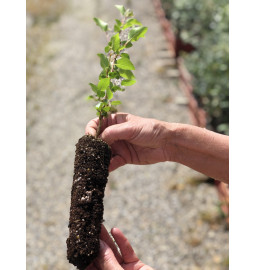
<point x="169" y="142"/>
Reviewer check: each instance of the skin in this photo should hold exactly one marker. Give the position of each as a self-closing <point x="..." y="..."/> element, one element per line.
<point x="111" y="259"/>
<point x="137" y="140"/>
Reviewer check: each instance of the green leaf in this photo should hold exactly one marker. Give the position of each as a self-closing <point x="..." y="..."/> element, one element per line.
<point x="126" y="55"/>
<point x="129" y="13"/>
<point x="93" y="87"/>
<point x="114" y="75"/>
<point x="128" y="82"/>
<point x="131" y="22"/>
<point x="136" y="33"/>
<point x="103" y="25"/>
<point x="116" y="88"/>
<point x="118" y="22"/>
<point x="116" y="102"/>
<point x="90" y="97"/>
<point x="99" y="106"/>
<point x="107" y="48"/>
<point x="109" y="93"/>
<point x="103" y="84"/>
<point x="106" y="109"/>
<point x="129" y="45"/>
<point x="103" y="74"/>
<point x="116" y="28"/>
<point x="100" y="93"/>
<point x="121" y="8"/>
<point x="125" y="63"/>
<point x="115" y="42"/>
<point x="127" y="74"/>
<point x="104" y="62"/>
<point x="125" y="44"/>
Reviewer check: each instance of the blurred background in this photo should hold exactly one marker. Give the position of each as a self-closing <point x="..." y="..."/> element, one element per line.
<point x="170" y="214"/>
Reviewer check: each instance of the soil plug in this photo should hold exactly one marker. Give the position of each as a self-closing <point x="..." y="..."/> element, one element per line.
<point x="92" y="158"/>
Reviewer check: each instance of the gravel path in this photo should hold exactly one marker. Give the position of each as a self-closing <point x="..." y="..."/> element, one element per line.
<point x="171" y="220"/>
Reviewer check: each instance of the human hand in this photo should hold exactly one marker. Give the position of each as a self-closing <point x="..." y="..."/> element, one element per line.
<point x="133" y="139"/>
<point x="109" y="257"/>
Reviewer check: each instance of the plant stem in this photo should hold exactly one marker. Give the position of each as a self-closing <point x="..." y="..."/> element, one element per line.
<point x="99" y="126"/>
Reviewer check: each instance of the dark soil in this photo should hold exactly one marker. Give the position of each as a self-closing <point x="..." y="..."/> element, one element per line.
<point x="92" y="158"/>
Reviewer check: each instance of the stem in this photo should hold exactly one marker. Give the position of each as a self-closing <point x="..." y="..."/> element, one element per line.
<point x="99" y="125"/>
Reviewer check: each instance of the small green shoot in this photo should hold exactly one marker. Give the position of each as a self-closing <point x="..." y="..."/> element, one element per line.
<point x="115" y="62"/>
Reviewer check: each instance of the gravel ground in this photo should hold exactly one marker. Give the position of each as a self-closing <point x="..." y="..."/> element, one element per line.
<point x="171" y="219"/>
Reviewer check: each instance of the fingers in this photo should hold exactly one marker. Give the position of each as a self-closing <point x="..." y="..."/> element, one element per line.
<point x="91" y="127"/>
<point x="123" y="131"/>
<point x="116" y="162"/>
<point x="112" y="119"/>
<point x="126" y="249"/>
<point x="108" y="240"/>
<point x="106" y="259"/>
<point x="92" y="267"/>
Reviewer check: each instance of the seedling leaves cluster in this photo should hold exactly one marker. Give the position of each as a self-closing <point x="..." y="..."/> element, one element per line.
<point x="115" y="62"/>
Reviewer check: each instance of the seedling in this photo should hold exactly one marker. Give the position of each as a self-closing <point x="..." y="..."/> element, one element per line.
<point x="115" y="62"/>
<point x="92" y="156"/>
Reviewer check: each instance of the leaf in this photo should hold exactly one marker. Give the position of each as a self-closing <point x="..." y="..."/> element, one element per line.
<point x="121" y="8"/>
<point x="100" y="93"/>
<point x="107" y="48"/>
<point x="129" y="13"/>
<point x="128" y="82"/>
<point x="103" y="74"/>
<point x="109" y="93"/>
<point x="116" y="102"/>
<point x="90" y="97"/>
<point x="136" y="33"/>
<point x="104" y="62"/>
<point x="127" y="74"/>
<point x="103" y="84"/>
<point x="115" y="42"/>
<point x="129" y="45"/>
<point x="103" y="25"/>
<point x="106" y="109"/>
<point x="116" y="28"/>
<point x="118" y="22"/>
<point x="116" y="88"/>
<point x="126" y="55"/>
<point x="99" y="106"/>
<point x="125" y="44"/>
<point x="125" y="63"/>
<point x="93" y="87"/>
<point x="131" y="22"/>
<point x="114" y="75"/>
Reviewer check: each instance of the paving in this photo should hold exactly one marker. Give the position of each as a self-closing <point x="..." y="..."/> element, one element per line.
<point x="169" y="215"/>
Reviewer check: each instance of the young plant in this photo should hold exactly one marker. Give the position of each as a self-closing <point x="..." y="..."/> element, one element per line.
<point x="92" y="156"/>
<point x="115" y="62"/>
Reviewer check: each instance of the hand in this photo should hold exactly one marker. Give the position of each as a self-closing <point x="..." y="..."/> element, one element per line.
<point x="109" y="257"/>
<point x="133" y="139"/>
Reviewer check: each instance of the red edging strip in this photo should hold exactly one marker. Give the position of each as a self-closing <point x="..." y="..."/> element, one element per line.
<point x="197" y="114"/>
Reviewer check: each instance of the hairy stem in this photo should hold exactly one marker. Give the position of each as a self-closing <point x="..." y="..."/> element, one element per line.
<point x="99" y="125"/>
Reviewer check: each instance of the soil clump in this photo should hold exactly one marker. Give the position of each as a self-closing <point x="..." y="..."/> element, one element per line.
<point x="92" y="158"/>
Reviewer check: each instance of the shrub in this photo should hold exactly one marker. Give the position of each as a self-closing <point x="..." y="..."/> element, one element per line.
<point x="204" y="24"/>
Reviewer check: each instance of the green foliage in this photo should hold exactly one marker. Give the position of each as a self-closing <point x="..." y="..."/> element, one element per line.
<point x="204" y="24"/>
<point x="115" y="62"/>
<point x="103" y="25"/>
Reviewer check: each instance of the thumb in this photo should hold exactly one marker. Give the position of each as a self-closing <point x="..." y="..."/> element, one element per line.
<point x="123" y="131"/>
<point x="106" y="259"/>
